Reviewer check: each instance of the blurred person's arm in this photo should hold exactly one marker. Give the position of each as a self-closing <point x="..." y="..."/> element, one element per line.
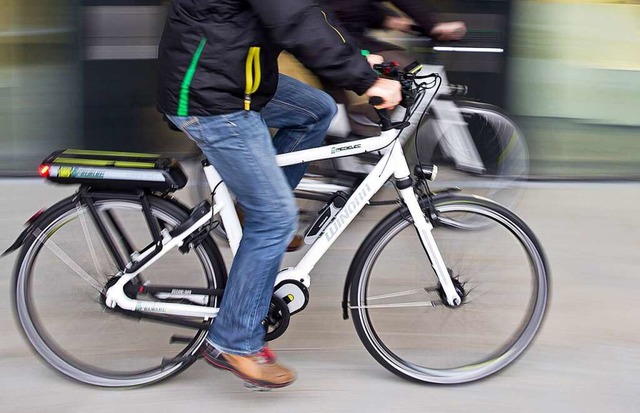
<point x="303" y="29"/>
<point x="380" y="14"/>
<point x="419" y="15"/>
<point x="448" y="31"/>
<point x="357" y="16"/>
<point x="422" y="18"/>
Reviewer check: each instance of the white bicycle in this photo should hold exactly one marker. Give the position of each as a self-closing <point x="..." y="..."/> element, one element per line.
<point x="117" y="284"/>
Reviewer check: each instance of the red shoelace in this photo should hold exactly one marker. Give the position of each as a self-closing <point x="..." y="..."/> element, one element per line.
<point x="268" y="355"/>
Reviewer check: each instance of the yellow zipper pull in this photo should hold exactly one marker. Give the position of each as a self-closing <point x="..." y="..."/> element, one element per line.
<point x="252" y="80"/>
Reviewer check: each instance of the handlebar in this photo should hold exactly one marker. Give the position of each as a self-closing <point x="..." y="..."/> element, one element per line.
<point x="392" y="70"/>
<point x="375" y="100"/>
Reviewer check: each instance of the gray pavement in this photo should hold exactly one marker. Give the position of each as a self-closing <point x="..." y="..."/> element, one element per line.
<point x="586" y="358"/>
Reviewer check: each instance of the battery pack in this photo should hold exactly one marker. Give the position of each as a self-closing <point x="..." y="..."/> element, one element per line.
<point x="114" y="170"/>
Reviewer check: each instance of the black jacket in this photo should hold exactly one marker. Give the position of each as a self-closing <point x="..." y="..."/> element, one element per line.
<point x="220" y="56"/>
<point x="359" y="16"/>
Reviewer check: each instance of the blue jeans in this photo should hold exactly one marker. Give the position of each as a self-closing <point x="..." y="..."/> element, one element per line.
<point x="242" y="151"/>
<point x="302" y="114"/>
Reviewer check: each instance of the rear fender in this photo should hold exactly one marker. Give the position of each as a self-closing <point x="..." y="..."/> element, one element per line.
<point x="33" y="222"/>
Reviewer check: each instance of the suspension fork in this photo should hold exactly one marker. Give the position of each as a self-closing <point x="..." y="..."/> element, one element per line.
<point x="423" y="226"/>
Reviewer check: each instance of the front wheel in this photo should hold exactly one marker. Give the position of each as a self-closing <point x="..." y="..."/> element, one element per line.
<point x="398" y="306"/>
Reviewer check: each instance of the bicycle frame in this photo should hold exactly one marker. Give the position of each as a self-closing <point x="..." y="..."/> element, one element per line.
<point x="392" y="163"/>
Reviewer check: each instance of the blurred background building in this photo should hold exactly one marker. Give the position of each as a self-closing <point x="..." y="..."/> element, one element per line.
<point x="82" y="74"/>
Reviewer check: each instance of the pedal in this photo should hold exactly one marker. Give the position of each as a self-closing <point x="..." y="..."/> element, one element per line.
<point x="197" y="212"/>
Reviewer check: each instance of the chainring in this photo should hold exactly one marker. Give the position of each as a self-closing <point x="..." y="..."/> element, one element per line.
<point x="277" y="319"/>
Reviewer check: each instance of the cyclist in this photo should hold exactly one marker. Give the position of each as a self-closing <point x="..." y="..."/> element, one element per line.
<point x="217" y="71"/>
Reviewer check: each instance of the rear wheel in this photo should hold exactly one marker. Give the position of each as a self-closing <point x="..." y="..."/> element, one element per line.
<point x="61" y="277"/>
<point x="398" y="306"/>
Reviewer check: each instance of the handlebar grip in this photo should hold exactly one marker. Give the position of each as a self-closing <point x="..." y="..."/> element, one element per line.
<point x="375" y="100"/>
<point x="385" y="119"/>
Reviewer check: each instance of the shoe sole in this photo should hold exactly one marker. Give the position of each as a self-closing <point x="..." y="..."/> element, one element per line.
<point x="245" y="378"/>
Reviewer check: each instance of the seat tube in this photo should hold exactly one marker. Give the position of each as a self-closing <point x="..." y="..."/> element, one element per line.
<point x="228" y="214"/>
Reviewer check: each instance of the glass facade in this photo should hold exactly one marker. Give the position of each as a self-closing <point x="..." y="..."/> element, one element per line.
<point x="83" y="75"/>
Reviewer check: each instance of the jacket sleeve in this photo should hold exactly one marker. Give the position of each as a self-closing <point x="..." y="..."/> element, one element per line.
<point x="379" y="12"/>
<point x="418" y="11"/>
<point x="302" y="28"/>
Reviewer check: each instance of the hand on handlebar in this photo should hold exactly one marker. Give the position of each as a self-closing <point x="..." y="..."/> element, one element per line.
<point x="388" y="90"/>
<point x="374" y="59"/>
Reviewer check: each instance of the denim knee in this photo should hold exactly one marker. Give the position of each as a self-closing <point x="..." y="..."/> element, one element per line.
<point x="327" y="107"/>
<point x="290" y="218"/>
<point x="278" y="222"/>
<point x="283" y="220"/>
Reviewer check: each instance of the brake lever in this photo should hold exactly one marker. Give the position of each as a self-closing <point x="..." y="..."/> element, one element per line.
<point x="408" y="98"/>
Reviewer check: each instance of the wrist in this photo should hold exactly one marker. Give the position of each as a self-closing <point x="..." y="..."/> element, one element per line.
<point x="366" y="84"/>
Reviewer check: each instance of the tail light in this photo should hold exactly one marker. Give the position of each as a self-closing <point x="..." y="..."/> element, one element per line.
<point x="43" y="171"/>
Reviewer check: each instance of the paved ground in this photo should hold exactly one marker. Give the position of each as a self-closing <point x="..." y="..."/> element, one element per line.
<point x="587" y="357"/>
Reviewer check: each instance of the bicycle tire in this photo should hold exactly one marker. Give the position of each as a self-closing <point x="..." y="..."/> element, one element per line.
<point x="500" y="144"/>
<point x="64" y="318"/>
<point x="499" y="316"/>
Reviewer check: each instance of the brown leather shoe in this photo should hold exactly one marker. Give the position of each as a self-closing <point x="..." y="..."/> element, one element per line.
<point x="258" y="369"/>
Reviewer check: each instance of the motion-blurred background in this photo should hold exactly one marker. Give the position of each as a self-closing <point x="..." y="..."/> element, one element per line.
<point x="82" y="74"/>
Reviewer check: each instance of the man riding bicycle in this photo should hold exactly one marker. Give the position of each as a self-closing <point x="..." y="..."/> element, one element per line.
<point x="219" y="83"/>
